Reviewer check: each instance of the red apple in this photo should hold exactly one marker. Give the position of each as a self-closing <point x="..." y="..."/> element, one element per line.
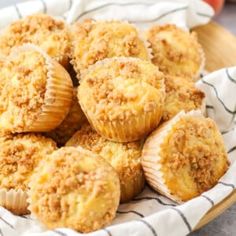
<point x="216" y="4"/>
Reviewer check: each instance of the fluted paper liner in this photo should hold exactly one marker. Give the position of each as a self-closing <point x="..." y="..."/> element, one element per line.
<point x="58" y="95"/>
<point x="14" y="200"/>
<point x="151" y="155"/>
<point x="133" y="129"/>
<point x="136" y="127"/>
<point x="128" y="193"/>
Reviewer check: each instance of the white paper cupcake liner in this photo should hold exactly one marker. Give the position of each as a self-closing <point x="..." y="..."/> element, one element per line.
<point x="14" y="200"/>
<point x="151" y="155"/>
<point x="126" y="131"/>
<point x="129" y="130"/>
<point x="58" y="95"/>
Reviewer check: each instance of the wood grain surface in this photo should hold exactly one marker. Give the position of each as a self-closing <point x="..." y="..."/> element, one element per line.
<point x="219" y="46"/>
<point x="220" y="50"/>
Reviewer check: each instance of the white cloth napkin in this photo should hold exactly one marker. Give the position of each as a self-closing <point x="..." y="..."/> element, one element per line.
<point x="149" y="214"/>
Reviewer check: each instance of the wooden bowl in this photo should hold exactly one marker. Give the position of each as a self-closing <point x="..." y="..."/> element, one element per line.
<point x="211" y="36"/>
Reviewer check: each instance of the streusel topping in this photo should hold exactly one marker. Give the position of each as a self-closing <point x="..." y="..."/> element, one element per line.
<point x="175" y="51"/>
<point x="74" y="188"/>
<point x="124" y="157"/>
<point x="22" y="94"/>
<point x="117" y="88"/>
<point x="96" y="40"/>
<point x="19" y="156"/>
<point x="195" y="150"/>
<point x="181" y="94"/>
<point x="42" y="30"/>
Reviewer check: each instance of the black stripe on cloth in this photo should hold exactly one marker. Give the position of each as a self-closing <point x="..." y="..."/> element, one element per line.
<point x="208" y="199"/>
<point x="7" y="223"/>
<point x="149" y="226"/>
<point x="183" y="218"/>
<point x="217" y="95"/>
<point x="154" y="198"/>
<point x="24" y="217"/>
<point x="203" y="14"/>
<point x="112" y="4"/>
<point x="229" y="76"/>
<point x="233" y="116"/>
<point x="70" y="4"/>
<point x="231" y="149"/>
<point x="108" y="232"/>
<point x="161" y="16"/>
<point x="18" y="11"/>
<point x="225" y="132"/>
<point x="210" y="107"/>
<point x="44" y="6"/>
<point x="226" y="184"/>
<point x="59" y="232"/>
<point x="28" y="217"/>
<point x="127" y="212"/>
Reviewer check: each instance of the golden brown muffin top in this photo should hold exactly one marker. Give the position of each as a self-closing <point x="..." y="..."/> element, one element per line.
<point x="74" y="188"/>
<point x="96" y="40"/>
<point x="89" y="139"/>
<point x="124" y="157"/>
<point x="175" y="51"/>
<point x="193" y="156"/>
<point x="181" y="94"/>
<point x="19" y="156"/>
<point x="71" y="123"/>
<point x="24" y="78"/>
<point x="40" y="29"/>
<point x="117" y="88"/>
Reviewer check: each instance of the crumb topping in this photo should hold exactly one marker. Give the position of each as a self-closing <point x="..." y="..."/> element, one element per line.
<point x="22" y="94"/>
<point x="181" y="94"/>
<point x="40" y="29"/>
<point x="117" y="88"/>
<point x="175" y="51"/>
<point x="71" y="124"/>
<point x="124" y="157"/>
<point x="19" y="156"/>
<point x="76" y="189"/>
<point x="194" y="150"/>
<point x="96" y="40"/>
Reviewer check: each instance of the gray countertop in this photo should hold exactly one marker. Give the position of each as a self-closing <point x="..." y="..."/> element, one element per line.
<point x="225" y="224"/>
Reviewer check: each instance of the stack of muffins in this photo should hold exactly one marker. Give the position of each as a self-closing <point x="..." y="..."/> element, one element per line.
<point x="90" y="111"/>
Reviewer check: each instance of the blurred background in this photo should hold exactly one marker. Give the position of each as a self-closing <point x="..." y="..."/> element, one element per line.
<point x="225" y="11"/>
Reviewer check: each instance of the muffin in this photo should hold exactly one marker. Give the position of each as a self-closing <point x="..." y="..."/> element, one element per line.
<point x="95" y="40"/>
<point x="71" y="124"/>
<point x="123" y="157"/>
<point x="35" y="93"/>
<point x="181" y="94"/>
<point x="123" y="98"/>
<point x="185" y="156"/>
<point x="43" y="30"/>
<point x="176" y="51"/>
<point x="74" y="188"/>
<point x="19" y="156"/>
